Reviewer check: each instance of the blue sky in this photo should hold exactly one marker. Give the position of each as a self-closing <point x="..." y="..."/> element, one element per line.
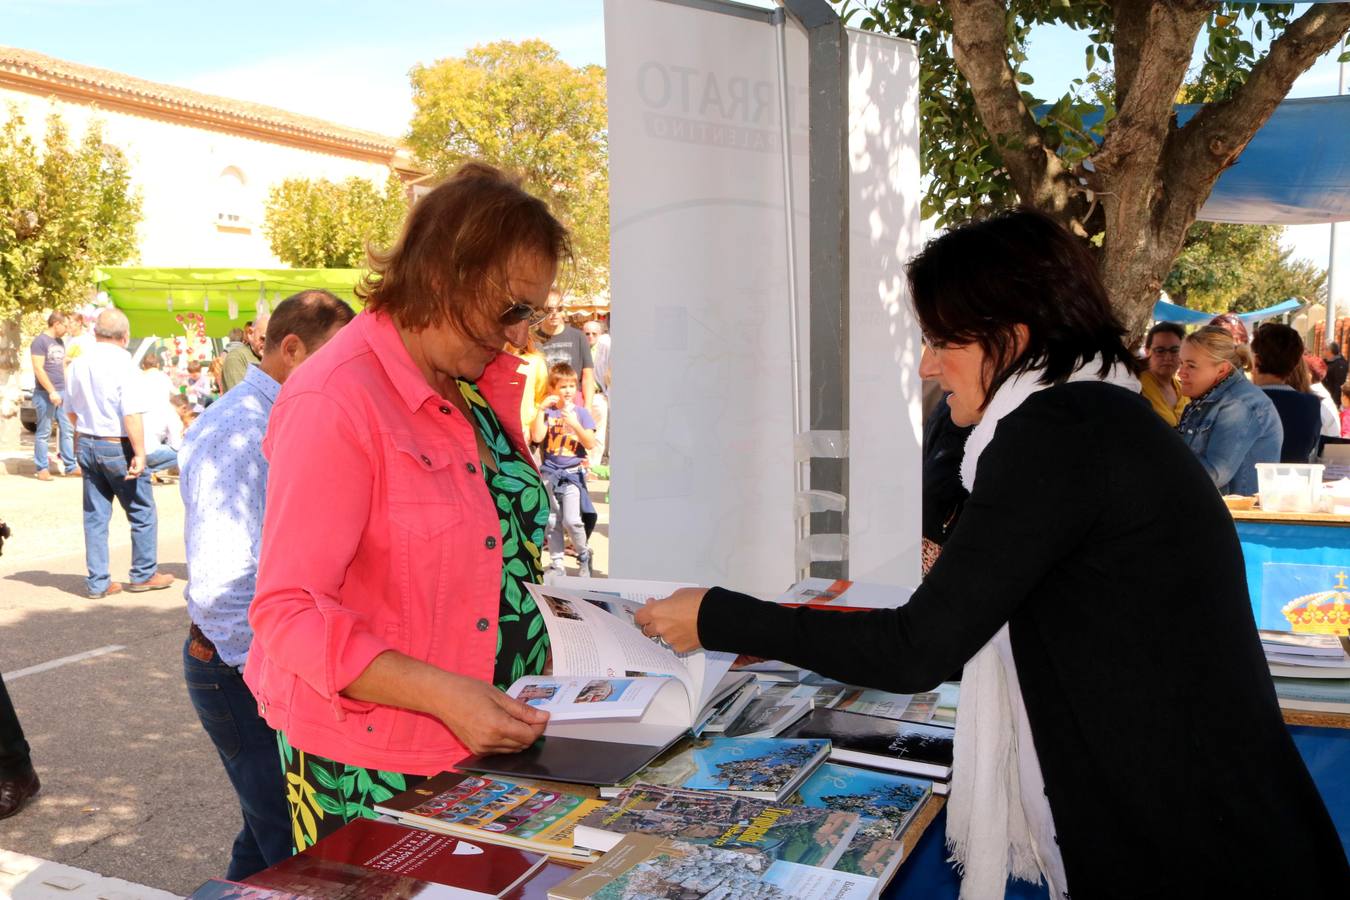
<point x="348" y="60"/>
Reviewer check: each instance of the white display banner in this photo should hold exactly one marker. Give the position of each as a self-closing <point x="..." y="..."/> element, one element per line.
<point x="885" y="411"/>
<point x="702" y="402"/>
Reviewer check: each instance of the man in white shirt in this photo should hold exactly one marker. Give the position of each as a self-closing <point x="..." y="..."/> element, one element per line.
<point x="106" y="402"/>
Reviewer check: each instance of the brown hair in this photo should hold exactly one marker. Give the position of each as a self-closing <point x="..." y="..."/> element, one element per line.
<point x="560" y="372"/>
<point x="449" y="264"/>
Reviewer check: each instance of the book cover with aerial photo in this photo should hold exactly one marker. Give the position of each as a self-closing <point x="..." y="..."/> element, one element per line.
<point x="767" y="768"/>
<point x="886" y="801"/>
<point x="813" y="837"/>
<point x="643" y="867"/>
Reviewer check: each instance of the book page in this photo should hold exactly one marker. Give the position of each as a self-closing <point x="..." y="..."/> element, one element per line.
<point x="587" y="698"/>
<point x="705" y="667"/>
<point x="587" y="640"/>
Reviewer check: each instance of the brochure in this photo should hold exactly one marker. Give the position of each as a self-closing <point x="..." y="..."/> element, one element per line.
<point x="845" y="596"/>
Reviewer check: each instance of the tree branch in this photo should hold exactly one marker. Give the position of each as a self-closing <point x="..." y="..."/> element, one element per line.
<point x="979" y="46"/>
<point x="1220" y="131"/>
<point x="1153" y="51"/>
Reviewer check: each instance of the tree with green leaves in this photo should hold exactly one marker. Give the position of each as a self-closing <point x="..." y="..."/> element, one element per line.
<point x="1130" y="179"/>
<point x="520" y="107"/>
<point x="1240" y="268"/>
<point x="320" y="224"/>
<point x="64" y="210"/>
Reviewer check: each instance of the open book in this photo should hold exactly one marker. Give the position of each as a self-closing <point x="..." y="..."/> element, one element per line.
<point x="609" y="681"/>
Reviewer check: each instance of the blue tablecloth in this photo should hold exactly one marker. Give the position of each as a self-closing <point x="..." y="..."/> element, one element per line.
<point x="927" y="875"/>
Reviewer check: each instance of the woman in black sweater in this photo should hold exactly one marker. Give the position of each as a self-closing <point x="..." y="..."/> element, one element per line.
<point x="1118" y="732"/>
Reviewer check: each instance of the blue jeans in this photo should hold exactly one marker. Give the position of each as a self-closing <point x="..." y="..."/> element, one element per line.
<point x="105" y="469"/>
<point x="65" y="432"/>
<point x="161" y="458"/>
<point x="248" y="750"/>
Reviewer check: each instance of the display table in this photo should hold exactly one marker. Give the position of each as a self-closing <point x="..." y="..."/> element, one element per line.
<point x="926" y="874"/>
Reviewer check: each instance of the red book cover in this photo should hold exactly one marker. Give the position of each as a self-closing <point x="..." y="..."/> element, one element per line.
<point x="373" y="859"/>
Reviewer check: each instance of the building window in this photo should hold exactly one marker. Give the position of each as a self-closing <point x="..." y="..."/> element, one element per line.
<point x="232" y="202"/>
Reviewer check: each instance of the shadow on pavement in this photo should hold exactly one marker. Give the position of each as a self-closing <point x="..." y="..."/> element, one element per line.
<point x="131" y="786"/>
<point x="74" y="584"/>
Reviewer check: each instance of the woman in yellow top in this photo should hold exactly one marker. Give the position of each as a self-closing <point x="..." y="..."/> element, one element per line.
<point x="1158" y="383"/>
<point x="535" y="370"/>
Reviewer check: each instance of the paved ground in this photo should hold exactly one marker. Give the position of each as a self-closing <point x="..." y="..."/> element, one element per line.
<point x="132" y="788"/>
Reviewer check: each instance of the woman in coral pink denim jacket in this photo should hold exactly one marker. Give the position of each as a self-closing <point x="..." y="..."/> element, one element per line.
<point x="403" y="515"/>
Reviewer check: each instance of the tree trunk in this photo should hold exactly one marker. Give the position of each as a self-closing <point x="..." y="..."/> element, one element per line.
<point x="1149" y="176"/>
<point x="10" y="345"/>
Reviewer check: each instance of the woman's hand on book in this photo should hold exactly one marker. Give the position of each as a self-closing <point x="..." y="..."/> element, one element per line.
<point x="487" y="721"/>
<point x="674" y="619"/>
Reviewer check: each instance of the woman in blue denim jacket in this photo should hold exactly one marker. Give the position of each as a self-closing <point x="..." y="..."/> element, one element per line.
<point x="1230" y="424"/>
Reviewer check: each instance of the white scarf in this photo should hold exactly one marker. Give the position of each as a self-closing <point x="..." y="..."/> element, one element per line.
<point x="998" y="819"/>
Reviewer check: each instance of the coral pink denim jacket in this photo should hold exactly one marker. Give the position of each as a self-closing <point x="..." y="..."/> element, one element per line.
<point x="379" y="534"/>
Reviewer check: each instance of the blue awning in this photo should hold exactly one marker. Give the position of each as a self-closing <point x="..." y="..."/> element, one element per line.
<point x="1295" y="171"/>
<point x="1170" y="312"/>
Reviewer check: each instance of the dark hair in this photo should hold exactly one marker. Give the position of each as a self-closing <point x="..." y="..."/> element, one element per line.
<point x="1230" y="323"/>
<point x="194" y="365"/>
<point x="449" y="264"/>
<point x="1335" y="348"/>
<point x="977" y="283"/>
<point x="151" y="360"/>
<point x="560" y="371"/>
<point x="310" y="316"/>
<point x="56" y="318"/>
<point x="1164" y="328"/>
<point x="1278" y="349"/>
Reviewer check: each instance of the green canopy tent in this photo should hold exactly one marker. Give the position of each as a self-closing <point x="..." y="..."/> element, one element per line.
<point x="155" y="299"/>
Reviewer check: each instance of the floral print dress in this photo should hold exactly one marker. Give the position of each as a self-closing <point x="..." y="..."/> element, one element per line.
<point x="324" y="794"/>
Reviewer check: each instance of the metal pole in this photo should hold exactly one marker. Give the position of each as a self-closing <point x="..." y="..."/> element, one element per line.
<point x="827" y="117"/>
<point x="1330" y="334"/>
<point x="799" y="467"/>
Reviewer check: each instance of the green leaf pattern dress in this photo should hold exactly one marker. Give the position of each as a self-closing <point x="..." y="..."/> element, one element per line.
<point x="324" y="794"/>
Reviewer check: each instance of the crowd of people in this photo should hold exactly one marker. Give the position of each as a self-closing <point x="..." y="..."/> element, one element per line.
<point x="368" y="501"/>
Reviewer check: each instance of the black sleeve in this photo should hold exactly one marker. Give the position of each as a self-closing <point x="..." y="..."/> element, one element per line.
<point x="1038" y="493"/>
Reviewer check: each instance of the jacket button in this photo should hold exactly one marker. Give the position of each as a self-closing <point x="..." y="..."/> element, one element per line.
<point x="426" y="461"/>
<point x="470" y="467"/>
<point x="445" y="410"/>
<point x="482" y="624"/>
<point x="491" y="543"/>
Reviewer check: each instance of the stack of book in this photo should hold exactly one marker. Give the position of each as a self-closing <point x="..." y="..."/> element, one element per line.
<point x="1292" y="655"/>
<point x="713" y="781"/>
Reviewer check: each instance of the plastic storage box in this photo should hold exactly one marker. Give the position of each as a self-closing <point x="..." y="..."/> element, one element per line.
<point x="1289" y="487"/>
